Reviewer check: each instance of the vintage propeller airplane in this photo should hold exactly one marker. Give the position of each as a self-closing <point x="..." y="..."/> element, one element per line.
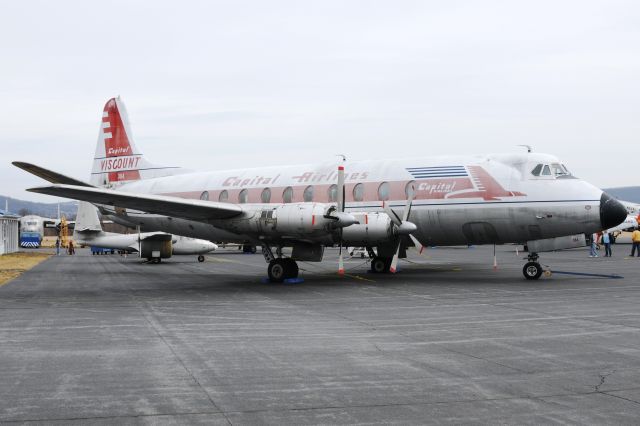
<point x="153" y="246"/>
<point x="383" y="205"/>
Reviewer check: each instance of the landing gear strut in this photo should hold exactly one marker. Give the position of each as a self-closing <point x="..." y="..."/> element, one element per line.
<point x="380" y="265"/>
<point x="532" y="270"/>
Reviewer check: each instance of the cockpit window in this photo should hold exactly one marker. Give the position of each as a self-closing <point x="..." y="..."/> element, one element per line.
<point x="536" y="170"/>
<point x="553" y="170"/>
<point x="559" y="170"/>
<point x="546" y="171"/>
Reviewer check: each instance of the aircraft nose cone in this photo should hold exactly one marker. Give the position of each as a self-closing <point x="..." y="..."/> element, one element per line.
<point x="612" y="212"/>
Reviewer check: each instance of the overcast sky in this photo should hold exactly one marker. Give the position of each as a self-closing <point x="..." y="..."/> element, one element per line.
<point x="214" y="85"/>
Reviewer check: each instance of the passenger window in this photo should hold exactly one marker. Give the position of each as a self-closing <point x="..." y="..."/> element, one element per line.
<point x="358" y="192"/>
<point x="536" y="170"/>
<point x="287" y="195"/>
<point x="204" y="196"/>
<point x="224" y="196"/>
<point x="410" y="189"/>
<point x="265" y="197"/>
<point x="332" y="193"/>
<point x="307" y="195"/>
<point x="243" y="196"/>
<point x="383" y="191"/>
<point x="546" y="171"/>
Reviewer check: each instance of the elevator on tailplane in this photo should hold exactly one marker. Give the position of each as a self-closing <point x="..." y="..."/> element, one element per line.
<point x="386" y="206"/>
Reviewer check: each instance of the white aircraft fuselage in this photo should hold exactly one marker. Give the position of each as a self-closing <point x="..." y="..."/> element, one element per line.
<point x="458" y="200"/>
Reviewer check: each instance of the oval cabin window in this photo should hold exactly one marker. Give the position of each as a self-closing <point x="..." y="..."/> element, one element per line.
<point x="410" y="189"/>
<point x="243" y="196"/>
<point x="224" y="196"/>
<point x="265" y="197"/>
<point x="383" y="191"/>
<point x="332" y="193"/>
<point x="358" y="192"/>
<point x="204" y="196"/>
<point x="308" y="194"/>
<point x="287" y="195"/>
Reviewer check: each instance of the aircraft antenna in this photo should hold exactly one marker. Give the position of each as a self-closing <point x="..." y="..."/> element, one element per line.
<point x="529" y="149"/>
<point x="344" y="157"/>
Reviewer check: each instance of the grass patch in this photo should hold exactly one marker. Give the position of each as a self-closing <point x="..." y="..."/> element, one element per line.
<point x="14" y="264"/>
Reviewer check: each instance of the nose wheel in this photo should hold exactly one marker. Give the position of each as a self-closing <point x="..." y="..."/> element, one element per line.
<point x="532" y="270"/>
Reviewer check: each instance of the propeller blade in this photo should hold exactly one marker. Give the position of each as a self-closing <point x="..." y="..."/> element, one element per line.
<point x="341" y="192"/>
<point x="394" y="262"/>
<point x="407" y="207"/>
<point x="417" y="243"/>
<point x="392" y="215"/>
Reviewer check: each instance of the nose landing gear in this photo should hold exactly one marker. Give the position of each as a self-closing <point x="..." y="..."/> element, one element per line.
<point x="532" y="270"/>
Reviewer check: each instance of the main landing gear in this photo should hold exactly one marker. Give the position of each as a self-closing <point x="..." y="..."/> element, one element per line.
<point x="200" y="258"/>
<point x="532" y="270"/>
<point x="380" y="265"/>
<point x="280" y="268"/>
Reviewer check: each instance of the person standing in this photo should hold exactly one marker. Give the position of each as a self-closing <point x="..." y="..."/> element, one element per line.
<point x="594" y="242"/>
<point x="635" y="240"/>
<point x="71" y="248"/>
<point x="606" y="240"/>
<point x="58" y="246"/>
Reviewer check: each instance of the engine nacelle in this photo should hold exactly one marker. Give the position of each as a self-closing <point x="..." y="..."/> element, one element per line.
<point x="309" y="221"/>
<point x="154" y="249"/>
<point x="374" y="229"/>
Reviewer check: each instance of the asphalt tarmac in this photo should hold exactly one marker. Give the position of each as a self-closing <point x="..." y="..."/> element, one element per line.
<point x="448" y="340"/>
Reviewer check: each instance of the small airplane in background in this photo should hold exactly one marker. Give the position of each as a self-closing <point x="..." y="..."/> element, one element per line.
<point x="153" y="246"/>
<point x="386" y="206"/>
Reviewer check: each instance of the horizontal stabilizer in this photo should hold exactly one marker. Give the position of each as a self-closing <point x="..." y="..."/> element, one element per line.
<point x="49" y="175"/>
<point x="199" y="210"/>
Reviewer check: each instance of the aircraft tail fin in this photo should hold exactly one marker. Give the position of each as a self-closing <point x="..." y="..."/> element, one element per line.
<point x="87" y="219"/>
<point x="117" y="159"/>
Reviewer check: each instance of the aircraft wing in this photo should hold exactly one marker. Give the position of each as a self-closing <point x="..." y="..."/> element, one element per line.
<point x="159" y="204"/>
<point x="49" y="175"/>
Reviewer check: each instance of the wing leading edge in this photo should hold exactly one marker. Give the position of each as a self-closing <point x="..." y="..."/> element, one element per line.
<point x="159" y="204"/>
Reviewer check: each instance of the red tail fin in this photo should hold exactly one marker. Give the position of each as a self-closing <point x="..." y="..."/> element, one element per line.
<point x="117" y="159"/>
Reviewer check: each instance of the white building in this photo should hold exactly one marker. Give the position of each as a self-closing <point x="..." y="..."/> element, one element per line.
<point x="8" y="234"/>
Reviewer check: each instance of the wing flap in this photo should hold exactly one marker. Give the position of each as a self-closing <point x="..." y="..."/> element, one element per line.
<point x="199" y="210"/>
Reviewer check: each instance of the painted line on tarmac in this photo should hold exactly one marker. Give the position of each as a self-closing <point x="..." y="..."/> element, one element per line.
<point x="585" y="274"/>
<point x="358" y="277"/>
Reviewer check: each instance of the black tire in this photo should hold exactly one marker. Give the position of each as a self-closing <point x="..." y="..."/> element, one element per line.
<point x="532" y="270"/>
<point x="277" y="271"/>
<point x="291" y="268"/>
<point x="201" y="258"/>
<point x="380" y="265"/>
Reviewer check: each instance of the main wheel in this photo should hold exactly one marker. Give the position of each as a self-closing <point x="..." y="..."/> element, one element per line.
<point x="291" y="268"/>
<point x="532" y="270"/>
<point x="201" y="258"/>
<point x="380" y="265"/>
<point x="277" y="271"/>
